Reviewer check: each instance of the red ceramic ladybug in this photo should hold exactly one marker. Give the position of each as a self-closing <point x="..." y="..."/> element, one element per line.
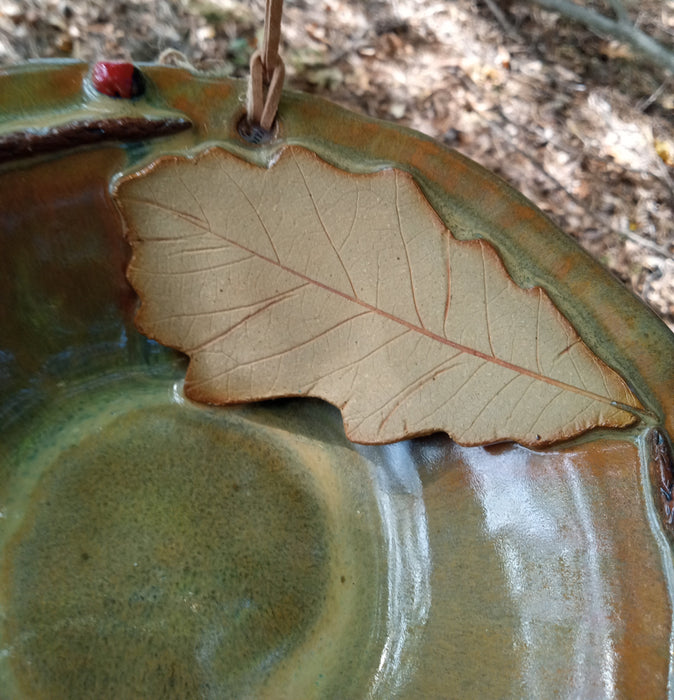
<point x="118" y="79"/>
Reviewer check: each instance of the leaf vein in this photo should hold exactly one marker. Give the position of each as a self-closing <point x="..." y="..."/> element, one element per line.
<point x="486" y="299"/>
<point x="262" y="309"/>
<point x="276" y="355"/>
<point x="358" y="360"/>
<point x="406" y="249"/>
<point x="404" y="396"/>
<point x="325" y="229"/>
<point x="256" y="211"/>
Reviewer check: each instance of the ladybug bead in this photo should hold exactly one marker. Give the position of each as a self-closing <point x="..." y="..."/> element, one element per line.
<point x="122" y="80"/>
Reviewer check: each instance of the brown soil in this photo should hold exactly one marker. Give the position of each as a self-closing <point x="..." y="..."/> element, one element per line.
<point x="580" y="124"/>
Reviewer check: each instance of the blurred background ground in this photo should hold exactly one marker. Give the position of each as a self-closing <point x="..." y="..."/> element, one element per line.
<point x="579" y="123"/>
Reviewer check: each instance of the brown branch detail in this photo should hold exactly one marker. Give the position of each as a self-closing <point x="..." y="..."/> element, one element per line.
<point x="662" y="478"/>
<point x="32" y="142"/>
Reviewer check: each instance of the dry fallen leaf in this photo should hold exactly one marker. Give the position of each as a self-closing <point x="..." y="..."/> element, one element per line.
<point x="305" y="280"/>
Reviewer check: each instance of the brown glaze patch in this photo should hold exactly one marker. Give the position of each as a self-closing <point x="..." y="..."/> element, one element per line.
<point x="611" y="470"/>
<point x="61" y="235"/>
<point x="207" y="103"/>
<point x="605" y="476"/>
<point x="26" y="143"/>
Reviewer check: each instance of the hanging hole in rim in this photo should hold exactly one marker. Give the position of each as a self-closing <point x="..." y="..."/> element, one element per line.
<point x="254" y="133"/>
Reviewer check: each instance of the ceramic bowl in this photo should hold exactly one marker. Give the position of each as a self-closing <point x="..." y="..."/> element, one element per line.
<point x="151" y="547"/>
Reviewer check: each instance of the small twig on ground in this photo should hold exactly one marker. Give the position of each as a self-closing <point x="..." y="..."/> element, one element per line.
<point x="621" y="28"/>
<point x="619" y="10"/>
<point x="644" y="242"/>
<point x="500" y="17"/>
<point x="644" y="104"/>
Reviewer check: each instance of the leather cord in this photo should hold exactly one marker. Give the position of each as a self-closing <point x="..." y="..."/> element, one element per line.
<point x="267" y="71"/>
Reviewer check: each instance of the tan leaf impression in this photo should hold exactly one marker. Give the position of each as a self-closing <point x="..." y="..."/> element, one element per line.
<point x="304" y="280"/>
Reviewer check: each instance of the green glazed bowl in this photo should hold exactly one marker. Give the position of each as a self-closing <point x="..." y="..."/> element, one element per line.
<point x="151" y="547"/>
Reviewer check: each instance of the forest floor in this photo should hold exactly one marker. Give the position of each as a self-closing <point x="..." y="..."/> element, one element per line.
<point x="580" y="124"/>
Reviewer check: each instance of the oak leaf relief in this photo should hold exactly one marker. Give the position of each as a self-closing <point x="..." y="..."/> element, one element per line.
<point x="304" y="280"/>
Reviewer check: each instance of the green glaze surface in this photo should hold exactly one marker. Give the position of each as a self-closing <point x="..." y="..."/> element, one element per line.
<point x="135" y="568"/>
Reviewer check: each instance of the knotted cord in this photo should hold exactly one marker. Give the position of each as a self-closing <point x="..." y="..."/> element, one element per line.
<point x="267" y="71"/>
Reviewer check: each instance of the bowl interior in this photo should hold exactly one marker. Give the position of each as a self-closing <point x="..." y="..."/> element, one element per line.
<point x="150" y="547"/>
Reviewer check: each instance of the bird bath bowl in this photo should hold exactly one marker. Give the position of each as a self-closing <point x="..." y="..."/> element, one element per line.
<point x="153" y="547"/>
